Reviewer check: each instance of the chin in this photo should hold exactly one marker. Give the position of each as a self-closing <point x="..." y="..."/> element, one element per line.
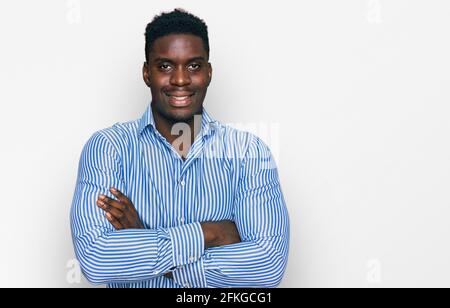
<point x="181" y="114"/>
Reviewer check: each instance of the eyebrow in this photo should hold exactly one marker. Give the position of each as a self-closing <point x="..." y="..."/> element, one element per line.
<point x="161" y="59"/>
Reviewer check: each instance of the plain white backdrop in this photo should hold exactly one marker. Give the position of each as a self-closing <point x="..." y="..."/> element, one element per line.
<point x="355" y="95"/>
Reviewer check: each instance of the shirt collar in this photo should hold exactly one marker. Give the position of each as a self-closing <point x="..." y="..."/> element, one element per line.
<point x="208" y="123"/>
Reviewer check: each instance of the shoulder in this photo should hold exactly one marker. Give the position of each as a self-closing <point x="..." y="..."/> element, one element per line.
<point x="114" y="138"/>
<point x="243" y="143"/>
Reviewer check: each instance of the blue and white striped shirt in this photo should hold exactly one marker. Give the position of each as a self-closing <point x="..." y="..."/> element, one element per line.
<point x="227" y="175"/>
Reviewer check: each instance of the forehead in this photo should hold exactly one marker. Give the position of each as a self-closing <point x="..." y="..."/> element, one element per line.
<point x="178" y="46"/>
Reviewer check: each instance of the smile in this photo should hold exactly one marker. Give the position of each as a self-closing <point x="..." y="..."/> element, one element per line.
<point x="179" y="100"/>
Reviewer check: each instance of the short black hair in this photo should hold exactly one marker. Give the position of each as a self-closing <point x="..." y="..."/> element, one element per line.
<point x="178" y="21"/>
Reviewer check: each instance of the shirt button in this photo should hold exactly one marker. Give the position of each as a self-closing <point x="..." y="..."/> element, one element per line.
<point x="191" y="259"/>
<point x="182" y="183"/>
<point x="187" y="285"/>
<point x="182" y="220"/>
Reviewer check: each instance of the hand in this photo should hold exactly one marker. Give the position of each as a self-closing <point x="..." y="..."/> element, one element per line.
<point x="220" y="233"/>
<point x="217" y="234"/>
<point x="121" y="213"/>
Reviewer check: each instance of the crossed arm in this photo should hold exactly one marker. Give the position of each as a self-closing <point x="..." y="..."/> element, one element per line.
<point x="122" y="214"/>
<point x="208" y="254"/>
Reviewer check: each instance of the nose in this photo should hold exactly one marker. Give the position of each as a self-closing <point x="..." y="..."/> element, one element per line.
<point x="180" y="77"/>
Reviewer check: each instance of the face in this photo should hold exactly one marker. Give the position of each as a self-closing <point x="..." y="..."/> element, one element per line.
<point x="178" y="74"/>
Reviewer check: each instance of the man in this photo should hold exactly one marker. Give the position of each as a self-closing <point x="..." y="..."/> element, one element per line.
<point x="151" y="211"/>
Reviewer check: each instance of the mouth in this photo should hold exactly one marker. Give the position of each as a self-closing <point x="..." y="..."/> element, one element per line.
<point x="179" y="99"/>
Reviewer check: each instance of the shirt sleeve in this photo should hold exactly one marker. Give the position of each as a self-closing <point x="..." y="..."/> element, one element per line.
<point x="110" y="256"/>
<point x="262" y="220"/>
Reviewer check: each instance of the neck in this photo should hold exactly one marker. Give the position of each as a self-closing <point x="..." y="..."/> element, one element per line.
<point x="181" y="135"/>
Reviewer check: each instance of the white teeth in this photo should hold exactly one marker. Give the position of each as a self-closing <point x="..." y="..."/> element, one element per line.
<point x="180" y="98"/>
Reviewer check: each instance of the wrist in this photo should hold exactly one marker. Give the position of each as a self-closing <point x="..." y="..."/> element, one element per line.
<point x="208" y="234"/>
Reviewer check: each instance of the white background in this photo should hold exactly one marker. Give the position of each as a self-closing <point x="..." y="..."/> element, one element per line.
<point x="356" y="91"/>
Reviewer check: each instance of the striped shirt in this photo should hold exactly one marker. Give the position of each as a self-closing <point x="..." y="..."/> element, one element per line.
<point x="227" y="175"/>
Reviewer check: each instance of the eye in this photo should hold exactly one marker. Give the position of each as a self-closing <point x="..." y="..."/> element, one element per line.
<point x="164" y="67"/>
<point x="194" y="67"/>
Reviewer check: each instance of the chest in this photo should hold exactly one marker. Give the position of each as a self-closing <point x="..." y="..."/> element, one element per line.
<point x="167" y="191"/>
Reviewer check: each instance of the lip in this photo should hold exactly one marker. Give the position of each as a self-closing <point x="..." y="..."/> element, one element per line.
<point x="179" y="99"/>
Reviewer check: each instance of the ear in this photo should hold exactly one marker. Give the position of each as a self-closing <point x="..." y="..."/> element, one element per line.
<point x="146" y="74"/>
<point x="209" y="73"/>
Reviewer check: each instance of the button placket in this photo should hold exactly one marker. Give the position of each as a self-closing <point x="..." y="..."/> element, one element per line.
<point x="180" y="191"/>
<point x="178" y="195"/>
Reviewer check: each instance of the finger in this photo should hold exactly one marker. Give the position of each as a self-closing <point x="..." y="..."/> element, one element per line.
<point x="104" y="205"/>
<point x="119" y="195"/>
<point x="112" y="220"/>
<point x="117" y="214"/>
<point x="111" y="202"/>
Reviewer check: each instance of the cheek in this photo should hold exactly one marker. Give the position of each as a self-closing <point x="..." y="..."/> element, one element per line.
<point x="200" y="81"/>
<point x="158" y="82"/>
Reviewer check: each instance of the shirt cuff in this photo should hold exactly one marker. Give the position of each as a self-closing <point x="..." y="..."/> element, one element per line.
<point x="191" y="275"/>
<point x="188" y="243"/>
